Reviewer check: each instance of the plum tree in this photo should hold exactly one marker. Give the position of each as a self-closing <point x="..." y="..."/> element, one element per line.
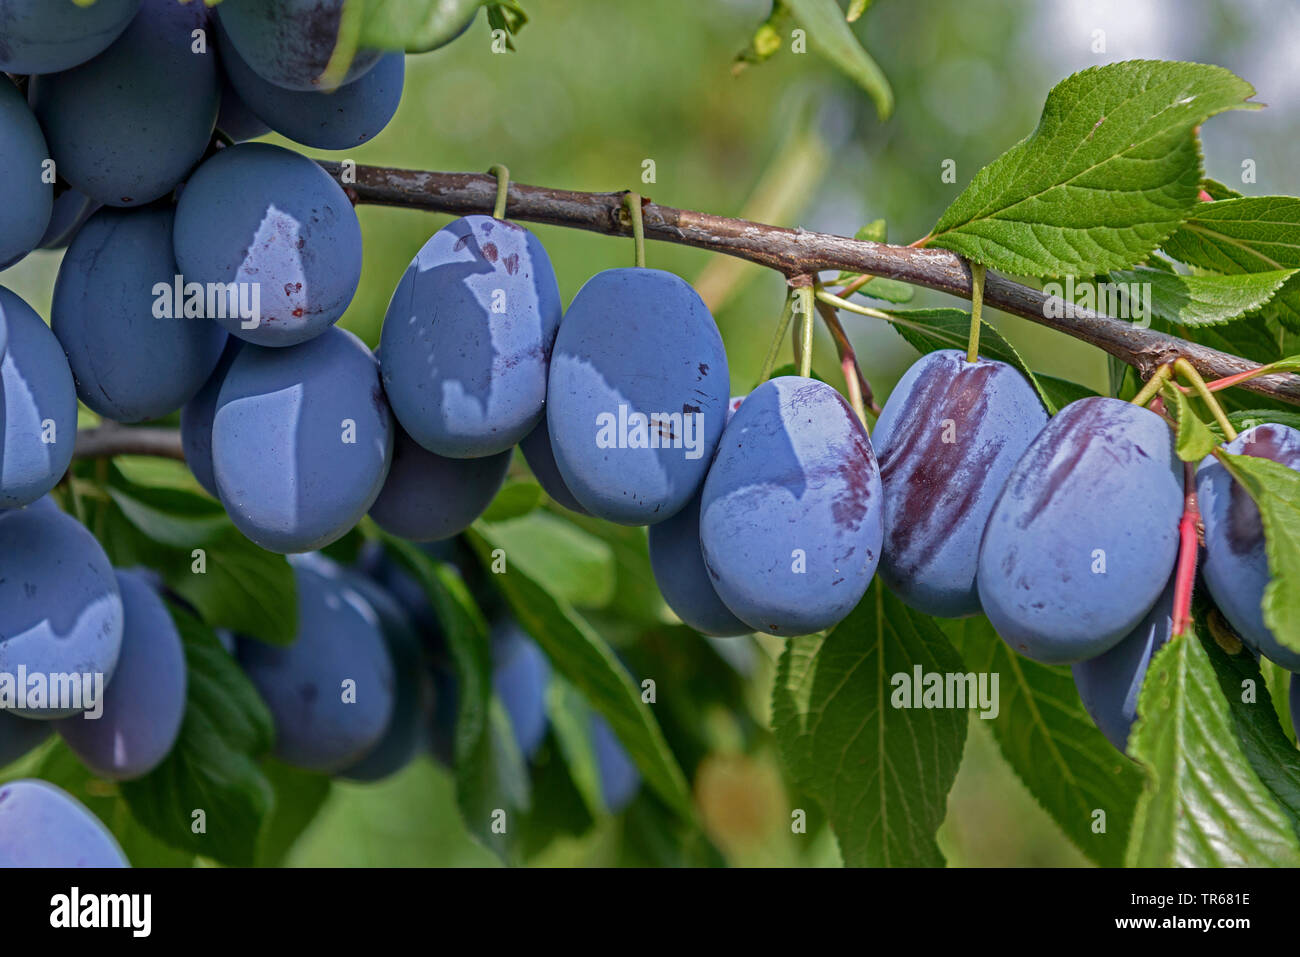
<point x="60" y="606"/>
<point x="129" y="364"/>
<point x="1110" y="683"/>
<point x="29" y="202"/>
<point x="619" y="778"/>
<point x="71" y="210"/>
<point x="44" y="826"/>
<point x="1236" y="567"/>
<point x="427" y="497"/>
<point x="333" y="120"/>
<point x="946" y="440"/>
<point x="128" y="126"/>
<point x="145" y="702"/>
<point x="289" y="42"/>
<point x="330" y="692"/>
<point x="39" y="406"/>
<point x="264" y="219"/>
<point x="301" y="441"/>
<point x="20" y="735"/>
<point x="196" y="419"/>
<point x="520" y="676"/>
<point x="637" y="395"/>
<point x="49" y="36"/>
<point x="536" y="446"/>
<point x="791" y="517"/>
<point x="467" y="338"/>
<point x="683" y="579"/>
<point x="1084" y="535"/>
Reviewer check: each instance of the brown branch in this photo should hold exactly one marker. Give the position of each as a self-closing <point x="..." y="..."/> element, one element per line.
<point x="795" y="252"/>
<point x="113" y="439"/>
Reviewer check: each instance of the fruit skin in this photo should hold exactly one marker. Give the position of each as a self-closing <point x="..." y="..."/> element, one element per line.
<point x="196" y="419"/>
<point x="38" y="388"/>
<point x="1101" y="476"/>
<point x="336" y="120"/>
<point x="339" y="640"/>
<point x="145" y="703"/>
<point x="49" y="36"/>
<point x="60" y="606"/>
<point x="128" y="126"/>
<point x="71" y="210"/>
<point x="19" y="736"/>
<point x="1236" y="564"/>
<point x="283" y="469"/>
<point x="794" y="481"/>
<point x="29" y="202"/>
<point x="464" y="379"/>
<point x="536" y="446"/>
<point x="428" y="497"/>
<point x="129" y="364"/>
<point x="642" y="339"/>
<point x="683" y="578"/>
<point x="234" y="118"/>
<point x="619" y="778"/>
<point x="44" y="826"/>
<point x="946" y="440"/>
<point x="289" y="42"/>
<point x="270" y="218"/>
<point x="520" y="675"/>
<point x="1110" y="683"/>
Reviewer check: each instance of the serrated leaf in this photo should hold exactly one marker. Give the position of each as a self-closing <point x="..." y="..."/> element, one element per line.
<point x="882" y="774"/>
<point x="414" y="25"/>
<point x="1203" y="805"/>
<point x="569" y="563"/>
<point x="1249" y="418"/>
<point x="1195" y="440"/>
<point x="1051" y="743"/>
<point x="1206" y="300"/>
<point x="579" y="654"/>
<point x="1276" y="491"/>
<point x="831" y="36"/>
<point x="1216" y="190"/>
<point x="1111" y="169"/>
<point x="212" y="766"/>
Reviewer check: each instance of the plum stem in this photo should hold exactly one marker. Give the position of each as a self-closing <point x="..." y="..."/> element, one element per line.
<point x="502" y="173"/>
<point x="861" y="397"/>
<point x="1188" y="544"/>
<point x="1188" y="372"/>
<point x="1153" y="385"/>
<point x="804" y="294"/>
<point x="632" y="203"/>
<point x="976" y="309"/>
<point x="782" y="324"/>
<point x="828" y="297"/>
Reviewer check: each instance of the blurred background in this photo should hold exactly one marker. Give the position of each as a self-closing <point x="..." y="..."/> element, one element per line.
<point x="594" y="90"/>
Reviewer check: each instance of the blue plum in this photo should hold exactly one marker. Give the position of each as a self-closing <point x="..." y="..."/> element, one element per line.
<point x="234" y="118"/>
<point x="130" y="363"/>
<point x="19" y="735"/>
<point x="289" y="42"/>
<point x="791" y="516"/>
<point x="1110" y="683"/>
<point x="44" y="826"/>
<point x="520" y="676"/>
<point x="1084" y="536"/>
<point x="145" y="702"/>
<point x="946" y="440"/>
<point x="128" y="126"/>
<point x="281" y="234"/>
<point x="1236" y="565"/>
<point x="536" y="446"/>
<point x="49" y="36"/>
<point x="196" y="419"/>
<point x="334" y="120"/>
<point x="619" y="778"/>
<point x="71" y="210"/>
<point x="29" y="200"/>
<point x="60" y="609"/>
<point x="301" y="441"/>
<point x="331" y="691"/>
<point x="39" y="406"/>
<point x="398" y="745"/>
<point x="467" y="338"/>
<point x="637" y="395"/>
<point x="683" y="579"/>
<point x="428" y="497"/>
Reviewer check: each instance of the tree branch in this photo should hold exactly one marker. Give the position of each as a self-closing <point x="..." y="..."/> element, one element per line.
<point x="112" y="439"/>
<point x="794" y="252"/>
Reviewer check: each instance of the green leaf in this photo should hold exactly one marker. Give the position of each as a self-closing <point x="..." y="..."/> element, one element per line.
<point x="569" y="563"/>
<point x="212" y="767"/>
<point x="1051" y="743"/>
<point x="1111" y="169"/>
<point x="582" y="656"/>
<point x="886" y="290"/>
<point x="414" y="25"/>
<point x="831" y="36"/>
<point x="1206" y="300"/>
<point x="1217" y="190"/>
<point x="570" y="718"/>
<point x="514" y="501"/>
<point x="173" y="517"/>
<point x="299" y="796"/>
<point x="1276" y="490"/>
<point x="1249" y="418"/>
<point x="1203" y="805"/>
<point x="881" y="773"/>
<point x="1195" y="439"/>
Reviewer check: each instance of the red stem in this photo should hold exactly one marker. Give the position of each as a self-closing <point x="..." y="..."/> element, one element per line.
<point x="1188" y="544"/>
